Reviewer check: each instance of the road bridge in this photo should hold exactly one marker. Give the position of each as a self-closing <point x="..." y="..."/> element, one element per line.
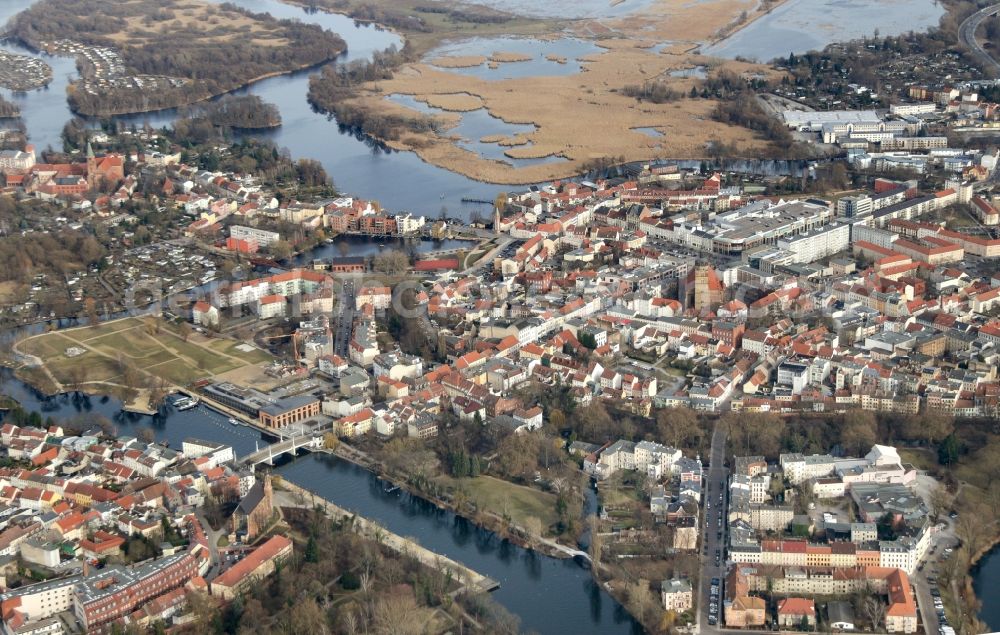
<point x="967" y="36"/>
<point x="288" y="446"/>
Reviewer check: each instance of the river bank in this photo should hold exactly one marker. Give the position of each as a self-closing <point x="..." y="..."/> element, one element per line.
<point x="469" y="579"/>
<point x="550" y="595"/>
<point x="985" y="580"/>
<point x="486" y="520"/>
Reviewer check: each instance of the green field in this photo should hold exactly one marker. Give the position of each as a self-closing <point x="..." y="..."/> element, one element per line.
<point x="498" y="496"/>
<point x="48" y="346"/>
<point x="164" y="354"/>
<point x="229" y="347"/>
<point x="98" y="368"/>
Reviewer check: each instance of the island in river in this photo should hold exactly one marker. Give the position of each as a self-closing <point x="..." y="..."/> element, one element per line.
<point x="145" y="55"/>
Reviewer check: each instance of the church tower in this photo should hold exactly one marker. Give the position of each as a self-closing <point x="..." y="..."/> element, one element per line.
<point x="91" y="166"/>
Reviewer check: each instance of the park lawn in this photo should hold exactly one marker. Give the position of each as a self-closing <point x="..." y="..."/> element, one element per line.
<point x="47" y="346"/>
<point x="37" y="378"/>
<point x="205" y="359"/>
<point x="135" y="344"/>
<point x="616" y="497"/>
<point x="920" y="459"/>
<point x="100" y="330"/>
<point x="98" y="368"/>
<point x="520" y="502"/>
<point x="177" y="371"/>
<point x="229" y="347"/>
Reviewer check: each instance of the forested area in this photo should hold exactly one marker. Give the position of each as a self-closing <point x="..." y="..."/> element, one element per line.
<point x="8" y="109"/>
<point x="243" y="112"/>
<point x="218" y="49"/>
<point x="332" y="89"/>
<point x="341" y="583"/>
<point x="404" y="17"/>
<point x="24" y="255"/>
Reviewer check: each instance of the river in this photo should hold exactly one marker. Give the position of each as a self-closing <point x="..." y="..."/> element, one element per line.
<point x="400" y="181"/>
<point x="986" y="582"/>
<point x="549" y="595"/>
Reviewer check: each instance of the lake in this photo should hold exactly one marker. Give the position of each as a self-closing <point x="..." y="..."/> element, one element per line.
<point x="400" y="181"/>
<point x="804" y="25"/>
<point x="550" y="595"/>
<point x="568" y="51"/>
<point x="474" y="125"/>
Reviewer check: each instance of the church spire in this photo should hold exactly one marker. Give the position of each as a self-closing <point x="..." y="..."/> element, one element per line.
<point x="90" y="151"/>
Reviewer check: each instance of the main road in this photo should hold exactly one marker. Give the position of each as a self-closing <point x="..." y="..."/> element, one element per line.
<point x="967" y="36"/>
<point x="714" y="537"/>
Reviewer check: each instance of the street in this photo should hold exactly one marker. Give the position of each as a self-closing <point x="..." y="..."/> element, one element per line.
<point x="714" y="537"/>
<point x="967" y="36"/>
<point x="344" y="319"/>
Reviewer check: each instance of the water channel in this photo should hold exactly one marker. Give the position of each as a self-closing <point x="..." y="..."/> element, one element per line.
<point x="548" y="594"/>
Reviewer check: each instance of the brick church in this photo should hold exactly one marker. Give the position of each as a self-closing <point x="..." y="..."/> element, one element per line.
<point x="60" y="180"/>
<point x="253" y="514"/>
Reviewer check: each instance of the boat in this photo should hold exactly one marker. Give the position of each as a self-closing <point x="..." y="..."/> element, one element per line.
<point x="186" y="403"/>
<point x="234" y="421"/>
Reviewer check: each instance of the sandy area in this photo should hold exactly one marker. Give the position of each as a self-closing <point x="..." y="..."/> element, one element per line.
<point x="584" y="116"/>
<point x="558" y="59"/>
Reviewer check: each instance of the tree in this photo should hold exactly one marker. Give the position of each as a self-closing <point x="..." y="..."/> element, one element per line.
<point x="948" y="450"/>
<point x="500" y="202"/>
<point x="594" y="422"/>
<point x="330" y="441"/>
<point x="392" y="262"/>
<point x="940" y="500"/>
<point x="874" y="609"/>
<point x="90" y="308"/>
<point x="307" y="617"/>
<point x="676" y="425"/>
<point x="397" y="613"/>
<point x="557" y="419"/>
<point x="859" y="430"/>
<point x="280" y="250"/>
<point x="147" y="435"/>
<point x="596" y="541"/>
<point x="312" y="550"/>
<point x="640" y="600"/>
<point x="533" y="528"/>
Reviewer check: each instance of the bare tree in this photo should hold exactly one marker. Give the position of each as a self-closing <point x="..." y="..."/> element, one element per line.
<point x="397" y="613"/>
<point x="874" y="609"/>
<point x="533" y="528"/>
<point x="596" y="541"/>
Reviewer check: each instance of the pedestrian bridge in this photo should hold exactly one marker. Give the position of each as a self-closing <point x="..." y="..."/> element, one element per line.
<point x="288" y="446"/>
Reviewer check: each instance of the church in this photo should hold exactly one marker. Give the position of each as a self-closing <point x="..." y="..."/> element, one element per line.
<point x="253" y="515"/>
<point x="60" y="180"/>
